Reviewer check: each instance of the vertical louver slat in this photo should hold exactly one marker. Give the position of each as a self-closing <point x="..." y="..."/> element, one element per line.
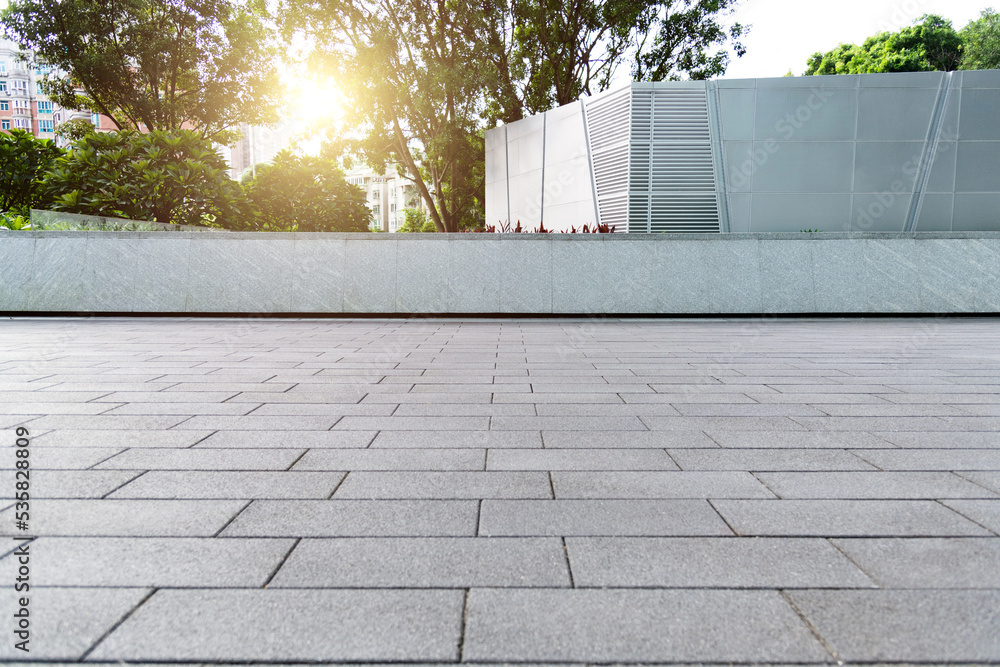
<point x="608" y="134"/>
<point x="671" y="176"/>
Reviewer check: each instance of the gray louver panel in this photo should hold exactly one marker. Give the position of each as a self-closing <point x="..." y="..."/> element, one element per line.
<point x="671" y="175"/>
<point x="608" y="134"/>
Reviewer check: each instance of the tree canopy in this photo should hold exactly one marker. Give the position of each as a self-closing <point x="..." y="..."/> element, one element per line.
<point x="304" y="194"/>
<point x="162" y="64"/>
<point x="981" y="42"/>
<point x="930" y="44"/>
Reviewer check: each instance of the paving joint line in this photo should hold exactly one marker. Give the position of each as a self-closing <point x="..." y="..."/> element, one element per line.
<point x="724" y="520"/>
<point x="856" y="564"/>
<point x="465" y="622"/>
<point x="297" y="459"/>
<point x="234" y="517"/>
<point x="330" y="497"/>
<point x="117" y="625"/>
<point x="812" y="628"/>
<point x="105" y="460"/>
<point x="281" y="563"/>
<point x="984" y="527"/>
<point x="123" y="484"/>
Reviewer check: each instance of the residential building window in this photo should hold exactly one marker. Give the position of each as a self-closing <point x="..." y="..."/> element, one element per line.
<point x="45" y="107"/>
<point x="21" y="106"/>
<point x="45" y="126"/>
<point x="375" y="209"/>
<point x="4" y="124"/>
<point x="3" y="66"/>
<point x="3" y="86"/>
<point x="20" y="85"/>
<point x="4" y="105"/>
<point x="38" y="88"/>
<point x="95" y="119"/>
<point x="23" y="123"/>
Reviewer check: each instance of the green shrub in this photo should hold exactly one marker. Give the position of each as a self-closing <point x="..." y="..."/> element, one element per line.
<point x="23" y="162"/>
<point x="416" y="220"/>
<point x="172" y="177"/>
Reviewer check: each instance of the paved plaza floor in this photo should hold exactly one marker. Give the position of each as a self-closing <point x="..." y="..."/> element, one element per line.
<point x="784" y="491"/>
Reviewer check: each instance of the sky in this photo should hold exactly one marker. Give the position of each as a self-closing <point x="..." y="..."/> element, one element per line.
<point x="785" y="33"/>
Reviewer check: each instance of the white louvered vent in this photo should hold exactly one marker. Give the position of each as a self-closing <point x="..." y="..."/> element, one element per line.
<point x="671" y="176"/>
<point x="608" y="134"/>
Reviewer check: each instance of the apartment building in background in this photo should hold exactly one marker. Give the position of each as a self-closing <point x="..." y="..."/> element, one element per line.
<point x="23" y="104"/>
<point x="388" y="196"/>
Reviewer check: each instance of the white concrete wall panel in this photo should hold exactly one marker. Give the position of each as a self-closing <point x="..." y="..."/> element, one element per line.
<point x="927" y="141"/>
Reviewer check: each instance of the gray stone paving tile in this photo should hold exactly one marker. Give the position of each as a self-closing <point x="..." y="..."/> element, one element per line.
<point x="7" y="397"/>
<point x="747" y="410"/>
<point x="322" y="409"/>
<point x="710" y="562"/>
<point x="608" y="439"/>
<point x="202" y="459"/>
<point x="602" y="410"/>
<point x="445" y="485"/>
<point x="505" y="423"/>
<point x="233" y="409"/>
<point x="558" y="397"/>
<point x="905" y="625"/>
<point x="579" y="459"/>
<point x="284" y="439"/>
<point x="349" y="394"/>
<point x="154" y="561"/>
<point x="226" y="484"/>
<point x="888" y="424"/>
<point x="119" y="439"/>
<point x="65" y="622"/>
<point x="872" y="485"/>
<point x="711" y="424"/>
<point x="436" y="562"/>
<point x="636" y="625"/>
<point x="941" y="440"/>
<point x="108" y="422"/>
<point x="67" y="483"/>
<point x="63" y="458"/>
<point x="61" y="409"/>
<point x="656" y="484"/>
<point x="987" y="479"/>
<point x="984" y="512"/>
<point x="686" y="398"/>
<point x="456" y="439"/>
<point x="392" y="459"/>
<point x="826" y="399"/>
<point x="413" y="424"/>
<point x="796" y="439"/>
<point x="161" y="397"/>
<point x="126" y="518"/>
<point x="232" y="387"/>
<point x="600" y="518"/>
<point x="355" y="518"/>
<point x="456" y="410"/>
<point x="290" y="625"/>
<point x="845" y="518"/>
<point x="754" y="460"/>
<point x="966" y="562"/>
<point x="255" y="423"/>
<point x="932" y="459"/>
<point x="104" y="387"/>
<point x="435" y="398"/>
<point x="892" y="410"/>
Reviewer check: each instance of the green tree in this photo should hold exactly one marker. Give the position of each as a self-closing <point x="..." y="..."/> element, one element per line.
<point x="23" y="162"/>
<point x="171" y="177"/>
<point x="546" y="53"/>
<point x="162" y="64"/>
<point x="305" y="194"/>
<point x="930" y="44"/>
<point x="981" y="42"/>
<point x="415" y="220"/>
<point x="407" y="68"/>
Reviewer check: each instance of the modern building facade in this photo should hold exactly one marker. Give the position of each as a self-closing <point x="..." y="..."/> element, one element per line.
<point x="873" y="152"/>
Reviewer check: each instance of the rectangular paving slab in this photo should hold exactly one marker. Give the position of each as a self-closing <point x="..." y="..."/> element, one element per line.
<point x="947" y="626"/>
<point x="668" y="484"/>
<point x="445" y="485"/>
<point x="432" y="562"/>
<point x="290" y="626"/>
<point x="954" y="562"/>
<point x="636" y="626"/>
<point x="231" y="484"/>
<point x="121" y="518"/>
